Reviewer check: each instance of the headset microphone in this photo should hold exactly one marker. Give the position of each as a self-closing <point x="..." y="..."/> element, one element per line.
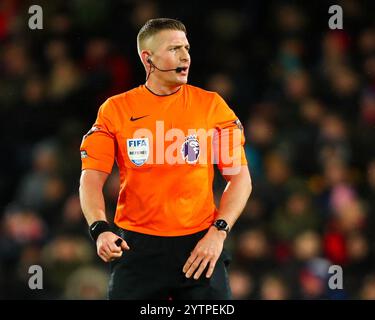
<point x="177" y="70"/>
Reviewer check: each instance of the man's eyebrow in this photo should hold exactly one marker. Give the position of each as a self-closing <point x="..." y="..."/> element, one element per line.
<point x="179" y="45"/>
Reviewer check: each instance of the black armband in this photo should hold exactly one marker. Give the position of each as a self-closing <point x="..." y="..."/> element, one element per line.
<point x="97" y="228"/>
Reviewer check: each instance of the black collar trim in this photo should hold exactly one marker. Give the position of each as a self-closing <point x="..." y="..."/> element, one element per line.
<point x="162" y="95"/>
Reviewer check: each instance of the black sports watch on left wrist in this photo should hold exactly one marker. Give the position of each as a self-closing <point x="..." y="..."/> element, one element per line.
<point x="221" y="224"/>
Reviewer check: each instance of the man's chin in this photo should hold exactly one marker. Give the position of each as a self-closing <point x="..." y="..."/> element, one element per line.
<point x="183" y="80"/>
<point x="178" y="81"/>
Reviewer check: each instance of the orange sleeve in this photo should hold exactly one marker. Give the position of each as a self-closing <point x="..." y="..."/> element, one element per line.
<point x="98" y="145"/>
<point x="229" y="138"/>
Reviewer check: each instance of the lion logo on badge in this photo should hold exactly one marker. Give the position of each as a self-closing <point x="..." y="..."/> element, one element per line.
<point x="190" y="149"/>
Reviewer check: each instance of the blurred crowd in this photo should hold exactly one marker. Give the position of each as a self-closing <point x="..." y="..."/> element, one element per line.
<point x="304" y="93"/>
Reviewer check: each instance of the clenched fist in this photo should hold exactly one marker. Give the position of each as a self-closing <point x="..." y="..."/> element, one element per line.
<point x="107" y="248"/>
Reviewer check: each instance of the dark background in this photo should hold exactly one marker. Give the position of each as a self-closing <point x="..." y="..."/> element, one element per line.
<point x="304" y="93"/>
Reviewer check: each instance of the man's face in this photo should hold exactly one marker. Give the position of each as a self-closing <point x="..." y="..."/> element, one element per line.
<point x="170" y="49"/>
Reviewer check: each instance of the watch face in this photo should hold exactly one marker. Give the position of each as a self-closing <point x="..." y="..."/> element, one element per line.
<point x="221" y="224"/>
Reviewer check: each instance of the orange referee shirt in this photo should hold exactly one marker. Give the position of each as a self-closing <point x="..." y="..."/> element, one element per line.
<point x="165" y="148"/>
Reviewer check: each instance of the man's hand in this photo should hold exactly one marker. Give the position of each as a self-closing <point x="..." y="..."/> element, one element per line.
<point x="206" y="252"/>
<point x="107" y="248"/>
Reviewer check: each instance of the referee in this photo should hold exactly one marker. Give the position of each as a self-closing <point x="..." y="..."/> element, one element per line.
<point x="169" y="236"/>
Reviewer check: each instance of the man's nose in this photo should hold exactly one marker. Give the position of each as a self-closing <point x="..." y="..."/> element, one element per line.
<point x="185" y="57"/>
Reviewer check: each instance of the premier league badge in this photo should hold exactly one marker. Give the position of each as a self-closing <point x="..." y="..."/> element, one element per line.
<point x="138" y="150"/>
<point x="190" y="149"/>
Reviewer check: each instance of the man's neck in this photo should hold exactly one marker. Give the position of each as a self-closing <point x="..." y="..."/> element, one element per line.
<point x="161" y="89"/>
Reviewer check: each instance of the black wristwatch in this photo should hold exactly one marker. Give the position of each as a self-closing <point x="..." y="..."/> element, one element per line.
<point x="98" y="227"/>
<point x="221" y="224"/>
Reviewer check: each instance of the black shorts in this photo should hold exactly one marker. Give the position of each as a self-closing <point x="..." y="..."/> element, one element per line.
<point x="152" y="269"/>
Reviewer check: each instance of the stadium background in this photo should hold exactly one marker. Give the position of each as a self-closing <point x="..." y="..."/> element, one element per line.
<point x="305" y="95"/>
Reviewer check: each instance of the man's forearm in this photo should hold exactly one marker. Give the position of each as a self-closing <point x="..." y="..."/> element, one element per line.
<point x="235" y="196"/>
<point x="91" y="198"/>
<point x="209" y="248"/>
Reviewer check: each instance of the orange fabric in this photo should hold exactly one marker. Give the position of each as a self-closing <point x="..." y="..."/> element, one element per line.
<point x="158" y="198"/>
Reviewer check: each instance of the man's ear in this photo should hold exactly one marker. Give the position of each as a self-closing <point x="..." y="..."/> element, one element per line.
<point x="146" y="57"/>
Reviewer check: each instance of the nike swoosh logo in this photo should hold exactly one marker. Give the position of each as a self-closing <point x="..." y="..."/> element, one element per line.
<point x="135" y="119"/>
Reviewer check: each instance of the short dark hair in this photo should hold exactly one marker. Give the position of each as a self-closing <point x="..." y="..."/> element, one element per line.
<point x="153" y="26"/>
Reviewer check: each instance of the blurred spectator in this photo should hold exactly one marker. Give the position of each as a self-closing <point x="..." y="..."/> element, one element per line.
<point x="273" y="287"/>
<point x="42" y="189"/>
<point x="72" y="219"/>
<point x="314" y="279"/>
<point x="143" y="11"/>
<point x="367" y="291"/>
<point x="295" y="217"/>
<point x="333" y="140"/>
<point x="297" y="86"/>
<point x="22" y="233"/>
<point x="64" y="79"/>
<point x="62" y="256"/>
<point x="359" y="262"/>
<point x="223" y="85"/>
<point x="307" y="246"/>
<point x="88" y="283"/>
<point x="241" y="284"/>
<point x="253" y="252"/>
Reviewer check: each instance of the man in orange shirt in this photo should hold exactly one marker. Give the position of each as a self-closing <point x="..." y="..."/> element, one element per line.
<point x="165" y="136"/>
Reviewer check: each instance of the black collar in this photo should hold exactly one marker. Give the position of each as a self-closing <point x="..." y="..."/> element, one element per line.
<point x="162" y="95"/>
